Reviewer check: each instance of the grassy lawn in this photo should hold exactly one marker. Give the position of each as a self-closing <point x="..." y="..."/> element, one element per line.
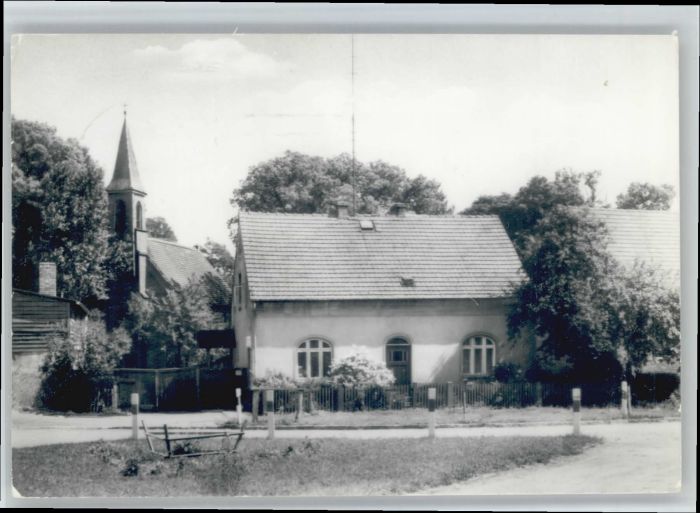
<point x="279" y="467"/>
<point x="474" y="416"/>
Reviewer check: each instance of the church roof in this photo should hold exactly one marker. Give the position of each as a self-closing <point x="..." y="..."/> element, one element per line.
<point x="651" y="237"/>
<point x="182" y="265"/>
<point x="316" y="257"/>
<point x="126" y="173"/>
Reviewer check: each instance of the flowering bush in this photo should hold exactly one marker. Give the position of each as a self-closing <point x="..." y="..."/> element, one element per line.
<point x="358" y="370"/>
<point x="276" y="381"/>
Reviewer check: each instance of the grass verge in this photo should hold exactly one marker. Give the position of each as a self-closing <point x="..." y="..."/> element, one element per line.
<point x="472" y="417"/>
<point x="279" y="467"/>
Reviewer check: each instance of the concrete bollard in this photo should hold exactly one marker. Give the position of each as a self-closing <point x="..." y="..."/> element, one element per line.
<point x="239" y="407"/>
<point x="624" y="402"/>
<point x="576" y="398"/>
<point x="135" y="416"/>
<point x="270" y="406"/>
<point x="432" y="395"/>
<point x="300" y="403"/>
<point x="256" y="405"/>
<point x="115" y="397"/>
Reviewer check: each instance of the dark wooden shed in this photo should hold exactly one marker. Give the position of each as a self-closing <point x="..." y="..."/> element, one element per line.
<point x="37" y="317"/>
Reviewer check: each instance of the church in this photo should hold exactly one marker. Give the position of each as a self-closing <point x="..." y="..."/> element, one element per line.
<point x="159" y="265"/>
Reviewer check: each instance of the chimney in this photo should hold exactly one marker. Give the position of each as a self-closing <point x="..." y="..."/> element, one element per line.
<point x="398" y="209"/>
<point x="47" y="278"/>
<point x="342" y="210"/>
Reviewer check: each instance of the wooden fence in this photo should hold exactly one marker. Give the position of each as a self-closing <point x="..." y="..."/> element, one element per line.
<point x="178" y="389"/>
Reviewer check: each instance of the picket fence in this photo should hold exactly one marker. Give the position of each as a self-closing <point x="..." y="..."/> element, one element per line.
<point x="449" y="395"/>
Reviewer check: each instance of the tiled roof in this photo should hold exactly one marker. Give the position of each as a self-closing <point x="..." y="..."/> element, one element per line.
<point x="126" y="172"/>
<point x="316" y="257"/>
<point x="650" y="236"/>
<point x="181" y="264"/>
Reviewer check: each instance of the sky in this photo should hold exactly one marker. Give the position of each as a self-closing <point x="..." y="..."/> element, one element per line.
<point x="481" y="114"/>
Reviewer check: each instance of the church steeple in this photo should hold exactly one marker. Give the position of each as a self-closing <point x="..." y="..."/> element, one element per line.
<point x="126" y="193"/>
<point x="126" y="172"/>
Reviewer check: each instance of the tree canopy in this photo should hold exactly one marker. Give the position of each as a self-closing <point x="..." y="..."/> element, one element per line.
<point x="645" y="196"/>
<point x="59" y="212"/>
<point x="158" y="228"/>
<point x="299" y="183"/>
<point x="220" y="258"/>
<point x="521" y="212"/>
<point x="169" y="324"/>
<point x="596" y="319"/>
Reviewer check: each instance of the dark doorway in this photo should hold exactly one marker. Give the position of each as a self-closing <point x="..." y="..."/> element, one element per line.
<point x="398" y="359"/>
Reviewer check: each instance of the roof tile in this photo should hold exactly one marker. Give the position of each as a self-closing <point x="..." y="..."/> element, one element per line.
<point x="316" y="257"/>
<point x="180" y="264"/>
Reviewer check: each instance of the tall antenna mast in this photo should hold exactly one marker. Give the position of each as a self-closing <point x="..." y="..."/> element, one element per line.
<point x="352" y="79"/>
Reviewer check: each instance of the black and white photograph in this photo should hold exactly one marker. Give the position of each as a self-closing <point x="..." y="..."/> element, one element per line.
<point x="319" y="265"/>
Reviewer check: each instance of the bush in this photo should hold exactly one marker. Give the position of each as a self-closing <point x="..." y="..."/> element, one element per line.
<point x="77" y="372"/>
<point x="508" y="373"/>
<point x="276" y="381"/>
<point x="358" y="370"/>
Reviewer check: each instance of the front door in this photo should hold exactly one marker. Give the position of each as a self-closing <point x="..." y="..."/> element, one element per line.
<point x="398" y="359"/>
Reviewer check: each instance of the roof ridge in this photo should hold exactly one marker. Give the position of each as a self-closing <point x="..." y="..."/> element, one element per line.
<point x="633" y="211"/>
<point x="163" y="241"/>
<point x="367" y="216"/>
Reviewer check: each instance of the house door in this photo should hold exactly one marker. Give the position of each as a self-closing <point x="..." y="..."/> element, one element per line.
<point x="398" y="359"/>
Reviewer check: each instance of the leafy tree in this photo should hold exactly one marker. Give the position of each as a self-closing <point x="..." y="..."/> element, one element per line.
<point x="158" y="228"/>
<point x="645" y="196"/>
<point x="301" y="183"/>
<point x="120" y="279"/>
<point x="220" y="258"/>
<point x="78" y="369"/>
<point x="59" y="212"/>
<point x="564" y="299"/>
<point x="521" y="212"/>
<point x="597" y="320"/>
<point x="169" y="323"/>
<point x="644" y="318"/>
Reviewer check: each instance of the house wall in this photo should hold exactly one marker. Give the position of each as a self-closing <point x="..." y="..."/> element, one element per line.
<point x="435" y="329"/>
<point x="242" y="312"/>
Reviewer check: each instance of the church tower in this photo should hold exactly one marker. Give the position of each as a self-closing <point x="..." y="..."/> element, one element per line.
<point x="127" y="208"/>
<point x="127" y="196"/>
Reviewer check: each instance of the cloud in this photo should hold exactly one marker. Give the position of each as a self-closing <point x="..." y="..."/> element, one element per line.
<point x="208" y="60"/>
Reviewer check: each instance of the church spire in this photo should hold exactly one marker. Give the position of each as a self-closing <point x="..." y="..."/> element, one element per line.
<point x="126" y="173"/>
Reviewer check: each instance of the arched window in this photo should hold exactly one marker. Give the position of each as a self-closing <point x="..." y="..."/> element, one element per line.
<point x="139" y="216"/>
<point x="398" y="359"/>
<point x="478" y="355"/>
<point x="120" y="218"/>
<point x="314" y="358"/>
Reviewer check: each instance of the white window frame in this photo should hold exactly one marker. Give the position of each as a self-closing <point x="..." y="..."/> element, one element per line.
<point x="470" y="345"/>
<point x="324" y="346"/>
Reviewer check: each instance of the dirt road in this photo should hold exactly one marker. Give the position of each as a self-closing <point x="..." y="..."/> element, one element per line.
<point x="634" y="458"/>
